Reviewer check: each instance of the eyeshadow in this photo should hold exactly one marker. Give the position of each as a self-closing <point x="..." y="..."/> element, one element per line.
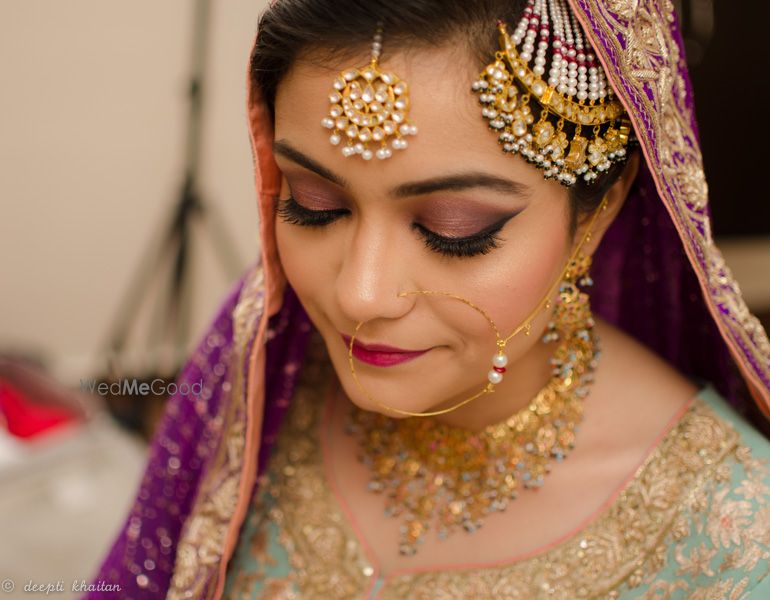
<point x="459" y="216"/>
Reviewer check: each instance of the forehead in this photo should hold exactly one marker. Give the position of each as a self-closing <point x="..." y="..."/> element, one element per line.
<point x="452" y="135"/>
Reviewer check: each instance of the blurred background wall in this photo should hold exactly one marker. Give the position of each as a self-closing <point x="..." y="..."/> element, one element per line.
<point x="93" y="115"/>
<point x="93" y="108"/>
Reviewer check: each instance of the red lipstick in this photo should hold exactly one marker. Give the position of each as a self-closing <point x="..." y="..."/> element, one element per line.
<point x="380" y="355"/>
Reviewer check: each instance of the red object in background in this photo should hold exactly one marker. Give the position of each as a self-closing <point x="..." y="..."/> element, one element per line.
<point x="25" y="418"/>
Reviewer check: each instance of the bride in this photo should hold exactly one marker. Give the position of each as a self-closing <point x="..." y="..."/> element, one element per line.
<point x="489" y="348"/>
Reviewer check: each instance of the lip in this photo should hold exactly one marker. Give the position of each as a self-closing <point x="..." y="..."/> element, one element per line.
<point x="380" y="355"/>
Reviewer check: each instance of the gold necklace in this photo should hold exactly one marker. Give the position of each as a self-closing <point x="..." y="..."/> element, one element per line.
<point x="430" y="471"/>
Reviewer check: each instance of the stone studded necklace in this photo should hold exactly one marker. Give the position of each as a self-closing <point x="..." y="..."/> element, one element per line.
<point x="432" y="472"/>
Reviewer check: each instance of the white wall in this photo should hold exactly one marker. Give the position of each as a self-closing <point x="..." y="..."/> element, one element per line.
<point x="92" y="127"/>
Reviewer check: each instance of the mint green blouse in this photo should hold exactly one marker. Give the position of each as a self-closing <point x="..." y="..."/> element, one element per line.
<point x="692" y="522"/>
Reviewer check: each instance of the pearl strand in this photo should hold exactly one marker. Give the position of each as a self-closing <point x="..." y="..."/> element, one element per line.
<point x="529" y="37"/>
<point x="573" y="70"/>
<point x="521" y="28"/>
<point x="542" y="45"/>
<point x="558" y="40"/>
<point x="377" y="44"/>
<point x="582" y="70"/>
<point x="571" y="78"/>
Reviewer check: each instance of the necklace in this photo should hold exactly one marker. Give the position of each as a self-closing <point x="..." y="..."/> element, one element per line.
<point x="430" y="471"/>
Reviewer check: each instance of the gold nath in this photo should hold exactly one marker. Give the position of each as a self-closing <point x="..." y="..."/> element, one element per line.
<point x="437" y="475"/>
<point x="575" y="265"/>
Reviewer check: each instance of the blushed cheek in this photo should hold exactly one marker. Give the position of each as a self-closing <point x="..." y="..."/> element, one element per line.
<point x="509" y="294"/>
<point x="297" y="262"/>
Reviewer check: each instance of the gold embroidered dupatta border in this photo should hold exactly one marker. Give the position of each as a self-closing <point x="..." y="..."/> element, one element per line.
<point x="646" y="75"/>
<point x="200" y="549"/>
<point x="211" y="531"/>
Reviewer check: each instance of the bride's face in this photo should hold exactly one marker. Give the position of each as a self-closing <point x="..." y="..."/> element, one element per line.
<point x="450" y="213"/>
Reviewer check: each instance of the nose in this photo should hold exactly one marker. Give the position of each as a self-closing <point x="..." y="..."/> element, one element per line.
<point x="372" y="274"/>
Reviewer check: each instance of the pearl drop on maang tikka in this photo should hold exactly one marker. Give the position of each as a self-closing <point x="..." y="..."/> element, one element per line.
<point x="369" y="106"/>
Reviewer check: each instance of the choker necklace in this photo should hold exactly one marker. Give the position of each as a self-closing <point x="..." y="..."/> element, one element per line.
<point x="430" y="471"/>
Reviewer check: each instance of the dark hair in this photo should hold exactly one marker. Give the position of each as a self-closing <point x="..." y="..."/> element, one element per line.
<point x="335" y="29"/>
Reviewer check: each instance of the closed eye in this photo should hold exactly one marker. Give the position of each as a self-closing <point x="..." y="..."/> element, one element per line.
<point x="483" y="242"/>
<point x="294" y="213"/>
<point x="470" y="245"/>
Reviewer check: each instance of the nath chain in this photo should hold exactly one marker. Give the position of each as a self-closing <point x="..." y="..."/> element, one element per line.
<point x="499" y="360"/>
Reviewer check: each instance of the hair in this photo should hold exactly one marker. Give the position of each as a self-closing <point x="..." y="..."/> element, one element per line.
<point x="336" y="29"/>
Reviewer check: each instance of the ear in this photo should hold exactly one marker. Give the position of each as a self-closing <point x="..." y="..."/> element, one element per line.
<point x="616" y="197"/>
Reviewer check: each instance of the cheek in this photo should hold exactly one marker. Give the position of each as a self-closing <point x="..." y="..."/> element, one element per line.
<point x="510" y="290"/>
<point x="300" y="264"/>
<point x="298" y="253"/>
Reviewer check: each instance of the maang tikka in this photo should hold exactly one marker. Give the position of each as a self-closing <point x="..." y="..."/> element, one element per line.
<point x="369" y="107"/>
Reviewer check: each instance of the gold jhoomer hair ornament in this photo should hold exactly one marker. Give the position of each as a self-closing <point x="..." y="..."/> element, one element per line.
<point x="369" y="106"/>
<point x="575" y="94"/>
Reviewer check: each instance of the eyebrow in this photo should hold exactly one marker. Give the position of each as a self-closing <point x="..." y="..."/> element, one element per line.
<point x="460" y="182"/>
<point x="283" y="148"/>
<point x="452" y="183"/>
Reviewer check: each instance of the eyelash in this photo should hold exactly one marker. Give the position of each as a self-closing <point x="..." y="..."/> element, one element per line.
<point x="483" y="242"/>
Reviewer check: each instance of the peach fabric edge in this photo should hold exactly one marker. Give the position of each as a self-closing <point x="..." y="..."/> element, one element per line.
<point x="274" y="285"/>
<point x="251" y="452"/>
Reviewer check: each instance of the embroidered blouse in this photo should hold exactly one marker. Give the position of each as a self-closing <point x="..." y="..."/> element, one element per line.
<point x="692" y="522"/>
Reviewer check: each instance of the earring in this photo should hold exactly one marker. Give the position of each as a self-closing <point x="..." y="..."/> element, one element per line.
<point x="369" y="106"/>
<point x="572" y="311"/>
<point x="573" y="327"/>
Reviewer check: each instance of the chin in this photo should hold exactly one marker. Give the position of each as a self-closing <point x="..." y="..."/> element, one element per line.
<point x="355" y="396"/>
<point x="385" y="378"/>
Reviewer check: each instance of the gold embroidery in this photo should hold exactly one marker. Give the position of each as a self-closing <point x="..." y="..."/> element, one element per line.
<point x="680" y="491"/>
<point x="201" y="544"/>
<point x="645" y="65"/>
